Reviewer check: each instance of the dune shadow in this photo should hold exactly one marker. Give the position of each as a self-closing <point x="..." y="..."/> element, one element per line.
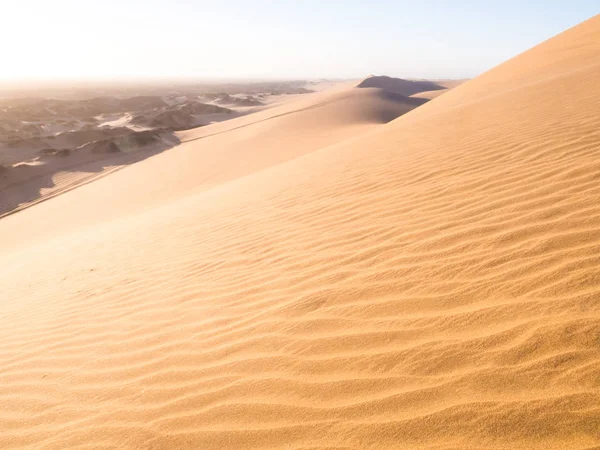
<point x="399" y="85"/>
<point x="24" y="185"/>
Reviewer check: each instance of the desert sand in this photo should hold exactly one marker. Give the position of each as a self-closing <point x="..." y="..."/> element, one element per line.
<point x="318" y="276"/>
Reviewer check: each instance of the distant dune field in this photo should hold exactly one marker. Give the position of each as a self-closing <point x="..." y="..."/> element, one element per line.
<point x="348" y="271"/>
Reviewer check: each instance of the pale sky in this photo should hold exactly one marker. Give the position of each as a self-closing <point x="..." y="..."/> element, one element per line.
<point x="247" y="39"/>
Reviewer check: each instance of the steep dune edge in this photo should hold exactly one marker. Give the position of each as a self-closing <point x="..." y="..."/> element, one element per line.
<point x="431" y="284"/>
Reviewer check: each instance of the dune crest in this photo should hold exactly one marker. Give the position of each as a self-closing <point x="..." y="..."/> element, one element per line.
<point x="428" y="283"/>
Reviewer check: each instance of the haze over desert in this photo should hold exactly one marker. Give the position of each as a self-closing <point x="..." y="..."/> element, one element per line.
<point x="380" y="262"/>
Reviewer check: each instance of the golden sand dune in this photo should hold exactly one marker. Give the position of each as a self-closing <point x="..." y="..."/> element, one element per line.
<point x="429" y="283"/>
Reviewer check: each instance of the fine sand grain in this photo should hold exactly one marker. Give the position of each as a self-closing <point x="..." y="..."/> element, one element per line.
<point x="321" y="279"/>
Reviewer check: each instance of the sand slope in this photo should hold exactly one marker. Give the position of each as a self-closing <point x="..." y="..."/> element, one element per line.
<point x="210" y="156"/>
<point x="433" y="283"/>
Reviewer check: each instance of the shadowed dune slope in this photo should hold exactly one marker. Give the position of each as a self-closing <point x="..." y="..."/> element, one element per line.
<point x="442" y="87"/>
<point x="399" y="85"/>
<point x="433" y="283"/>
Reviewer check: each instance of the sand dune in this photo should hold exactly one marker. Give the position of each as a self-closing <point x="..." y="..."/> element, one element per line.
<point x="210" y="156"/>
<point x="424" y="89"/>
<point x="428" y="283"/>
<point x="399" y="85"/>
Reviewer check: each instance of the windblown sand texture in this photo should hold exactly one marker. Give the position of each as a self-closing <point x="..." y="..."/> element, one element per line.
<point x="433" y="282"/>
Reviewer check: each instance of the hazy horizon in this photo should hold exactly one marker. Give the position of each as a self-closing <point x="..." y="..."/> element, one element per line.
<point x="265" y="40"/>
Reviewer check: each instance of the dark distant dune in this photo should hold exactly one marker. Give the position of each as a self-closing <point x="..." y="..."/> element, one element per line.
<point x="227" y="99"/>
<point x="399" y="85"/>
